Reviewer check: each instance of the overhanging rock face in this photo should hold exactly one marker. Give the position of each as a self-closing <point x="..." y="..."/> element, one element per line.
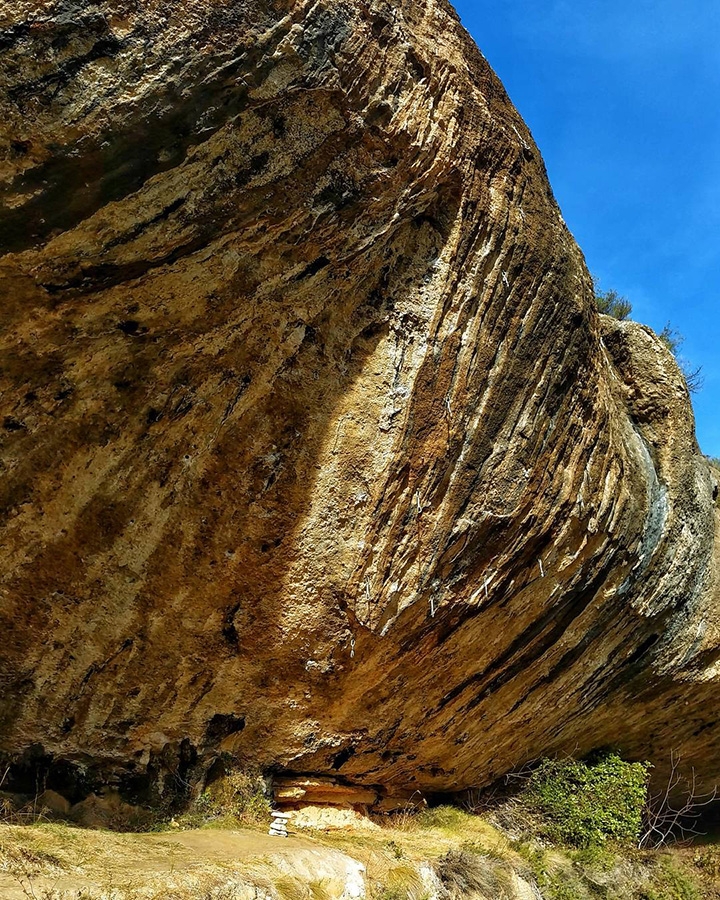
<point x="314" y="448"/>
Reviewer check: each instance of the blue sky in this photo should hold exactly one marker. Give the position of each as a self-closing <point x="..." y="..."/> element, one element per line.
<point x="623" y="100"/>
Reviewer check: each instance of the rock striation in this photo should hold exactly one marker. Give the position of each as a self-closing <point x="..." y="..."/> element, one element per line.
<point x="314" y="448"/>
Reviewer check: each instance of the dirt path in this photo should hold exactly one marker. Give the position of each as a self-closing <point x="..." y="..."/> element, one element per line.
<point x="57" y="862"/>
<point x="240" y="844"/>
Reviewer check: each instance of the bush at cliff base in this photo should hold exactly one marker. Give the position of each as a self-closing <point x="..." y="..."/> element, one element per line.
<point x="588" y="803"/>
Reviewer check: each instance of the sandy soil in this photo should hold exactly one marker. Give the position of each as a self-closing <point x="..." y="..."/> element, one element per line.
<point x="51" y="861"/>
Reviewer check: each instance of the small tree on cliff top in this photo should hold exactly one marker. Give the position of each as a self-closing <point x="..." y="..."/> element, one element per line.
<point x="673" y="340"/>
<point x="610" y="303"/>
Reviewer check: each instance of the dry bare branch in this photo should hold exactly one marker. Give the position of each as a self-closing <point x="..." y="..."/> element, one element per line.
<point x="673" y="813"/>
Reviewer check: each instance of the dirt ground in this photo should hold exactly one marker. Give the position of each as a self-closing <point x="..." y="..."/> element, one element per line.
<point x="56" y="861"/>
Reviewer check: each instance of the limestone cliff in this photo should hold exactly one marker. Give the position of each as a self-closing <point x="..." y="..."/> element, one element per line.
<point x="314" y="448"/>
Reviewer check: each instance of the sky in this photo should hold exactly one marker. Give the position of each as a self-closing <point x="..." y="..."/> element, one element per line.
<point x="623" y="100"/>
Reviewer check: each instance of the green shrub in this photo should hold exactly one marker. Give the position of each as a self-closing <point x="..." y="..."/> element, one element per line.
<point x="560" y="886"/>
<point x="585" y="804"/>
<point x="610" y="303"/>
<point x="707" y="859"/>
<point x="668" y="882"/>
<point x="595" y="858"/>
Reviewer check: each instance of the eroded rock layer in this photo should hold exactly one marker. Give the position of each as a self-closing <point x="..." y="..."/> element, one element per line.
<point x="314" y="448"/>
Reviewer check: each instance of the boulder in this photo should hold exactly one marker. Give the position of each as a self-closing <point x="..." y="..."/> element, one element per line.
<point x="314" y="448"/>
<point x="109" y="810"/>
<point x="53" y="803"/>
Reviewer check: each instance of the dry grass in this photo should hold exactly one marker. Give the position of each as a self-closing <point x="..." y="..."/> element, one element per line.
<point x="58" y="862"/>
<point x="54" y="862"/>
<point x="464" y="874"/>
<point x="468" y="856"/>
<point x="425" y="835"/>
<point x="393" y="852"/>
<point x="236" y="799"/>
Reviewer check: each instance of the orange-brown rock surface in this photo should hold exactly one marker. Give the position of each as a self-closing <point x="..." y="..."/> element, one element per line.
<point x="314" y="448"/>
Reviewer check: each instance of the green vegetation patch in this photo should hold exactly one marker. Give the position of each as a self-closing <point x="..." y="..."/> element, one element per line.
<point x="586" y="804"/>
<point x="669" y="882"/>
<point x="610" y="303"/>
